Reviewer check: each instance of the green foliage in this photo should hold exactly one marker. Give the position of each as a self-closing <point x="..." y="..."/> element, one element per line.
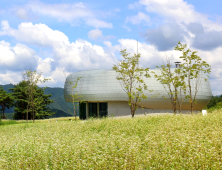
<point x="6" y="101"/>
<point x="32" y="78"/>
<point x="173" y="82"/>
<point x="7" y="122"/>
<point x="193" y="69"/>
<point x="131" y="77"/>
<point x="214" y="100"/>
<point x="218" y="106"/>
<point x="41" y="102"/>
<point x="60" y="106"/>
<point x="147" y="142"/>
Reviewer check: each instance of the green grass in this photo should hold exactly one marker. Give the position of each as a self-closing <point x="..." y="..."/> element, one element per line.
<point x="146" y="142"/>
<point x="7" y="122"/>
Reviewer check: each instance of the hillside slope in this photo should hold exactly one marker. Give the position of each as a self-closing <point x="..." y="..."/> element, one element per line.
<point x="63" y="108"/>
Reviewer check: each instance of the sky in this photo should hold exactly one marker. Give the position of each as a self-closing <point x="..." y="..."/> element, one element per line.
<point x="58" y="37"/>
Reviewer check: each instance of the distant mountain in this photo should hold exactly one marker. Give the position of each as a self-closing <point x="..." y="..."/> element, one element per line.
<point x="63" y="108"/>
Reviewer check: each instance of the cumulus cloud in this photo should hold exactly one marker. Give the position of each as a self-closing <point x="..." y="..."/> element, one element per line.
<point x="204" y="40"/>
<point x="10" y="77"/>
<point x="74" y="13"/>
<point x="78" y="55"/>
<point x="165" y="37"/>
<point x="137" y="19"/>
<point x="17" y="58"/>
<point x="150" y="56"/>
<point x="38" y="34"/>
<point x="178" y="11"/>
<point x="180" y="22"/>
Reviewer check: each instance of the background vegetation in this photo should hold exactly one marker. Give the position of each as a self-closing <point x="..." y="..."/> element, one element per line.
<point x="160" y="142"/>
<point x="59" y="105"/>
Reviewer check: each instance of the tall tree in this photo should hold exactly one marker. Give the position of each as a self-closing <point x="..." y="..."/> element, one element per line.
<point x="6" y="101"/>
<point x="131" y="78"/>
<point x="193" y="68"/>
<point x="32" y="78"/>
<point x="20" y="96"/>
<point x="173" y="83"/>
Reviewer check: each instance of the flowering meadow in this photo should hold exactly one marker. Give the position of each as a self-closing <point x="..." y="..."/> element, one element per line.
<point x="145" y="142"/>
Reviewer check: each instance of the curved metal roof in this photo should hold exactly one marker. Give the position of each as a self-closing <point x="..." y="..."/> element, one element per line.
<point x="102" y="85"/>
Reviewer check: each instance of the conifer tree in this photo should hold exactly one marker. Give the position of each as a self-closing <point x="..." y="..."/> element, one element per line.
<point x="40" y="106"/>
<point x="6" y="101"/>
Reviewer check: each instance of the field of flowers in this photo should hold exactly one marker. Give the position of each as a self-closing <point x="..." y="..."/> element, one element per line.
<point x="146" y="142"/>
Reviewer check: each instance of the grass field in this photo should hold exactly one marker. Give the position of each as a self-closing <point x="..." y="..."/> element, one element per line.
<point x="146" y="142"/>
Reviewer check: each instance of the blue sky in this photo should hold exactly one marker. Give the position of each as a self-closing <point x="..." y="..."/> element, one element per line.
<point x="59" y="37"/>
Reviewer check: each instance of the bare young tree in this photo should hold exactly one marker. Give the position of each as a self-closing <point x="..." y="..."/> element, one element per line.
<point x="193" y="70"/>
<point x="173" y="83"/>
<point x="132" y="79"/>
<point x="75" y="96"/>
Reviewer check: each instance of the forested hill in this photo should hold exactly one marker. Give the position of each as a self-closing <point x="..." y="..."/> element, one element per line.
<point x="59" y="105"/>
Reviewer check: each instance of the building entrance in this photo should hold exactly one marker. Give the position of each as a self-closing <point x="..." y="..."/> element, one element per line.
<point x="93" y="110"/>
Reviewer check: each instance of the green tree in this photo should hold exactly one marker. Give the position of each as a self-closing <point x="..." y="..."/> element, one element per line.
<point x="20" y="96"/>
<point x="193" y="68"/>
<point x="32" y="78"/>
<point x="214" y="100"/>
<point x="75" y="96"/>
<point x="131" y="78"/>
<point x="41" y="102"/>
<point x="6" y="101"/>
<point x="173" y="83"/>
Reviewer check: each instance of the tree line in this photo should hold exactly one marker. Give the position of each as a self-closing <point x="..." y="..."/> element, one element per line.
<point x="29" y="100"/>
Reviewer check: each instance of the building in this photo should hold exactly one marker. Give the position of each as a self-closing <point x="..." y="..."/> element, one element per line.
<point x="104" y="96"/>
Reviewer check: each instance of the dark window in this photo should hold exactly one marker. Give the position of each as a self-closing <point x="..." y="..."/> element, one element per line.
<point x="103" y="109"/>
<point x="82" y="110"/>
<point x="92" y="109"/>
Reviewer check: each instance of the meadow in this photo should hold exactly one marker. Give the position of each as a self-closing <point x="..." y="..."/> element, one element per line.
<point x="145" y="142"/>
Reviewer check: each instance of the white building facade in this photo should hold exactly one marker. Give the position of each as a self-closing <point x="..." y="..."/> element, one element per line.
<point x="104" y="95"/>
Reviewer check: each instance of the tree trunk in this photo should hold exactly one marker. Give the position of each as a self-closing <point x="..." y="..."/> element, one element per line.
<point x="33" y="114"/>
<point x="3" y="110"/>
<point x="34" y="117"/>
<point x="175" y="106"/>
<point x="27" y="114"/>
<point x="132" y="111"/>
<point x="192" y="108"/>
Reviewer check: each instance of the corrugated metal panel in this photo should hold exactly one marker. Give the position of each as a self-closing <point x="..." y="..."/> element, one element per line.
<point x="102" y="85"/>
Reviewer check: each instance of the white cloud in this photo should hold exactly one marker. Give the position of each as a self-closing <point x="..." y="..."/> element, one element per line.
<point x="82" y="55"/>
<point x="17" y="58"/>
<point x="44" y="66"/>
<point x="150" y="56"/>
<point x="10" y="77"/>
<point x="38" y="34"/>
<point x="137" y="19"/>
<point x="79" y="55"/>
<point x="178" y="11"/>
<point x="74" y="13"/>
<point x="95" y="34"/>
